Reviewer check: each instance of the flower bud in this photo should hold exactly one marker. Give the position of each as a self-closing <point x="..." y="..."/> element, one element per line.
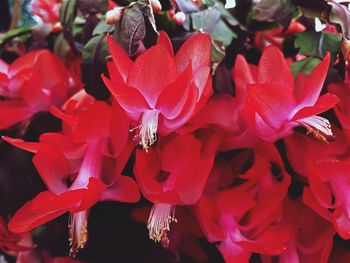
<point x="114" y="15"/>
<point x="179" y="18"/>
<point x="156" y="6"/>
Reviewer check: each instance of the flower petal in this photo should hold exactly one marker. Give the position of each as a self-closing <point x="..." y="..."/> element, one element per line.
<point x="152" y="72"/>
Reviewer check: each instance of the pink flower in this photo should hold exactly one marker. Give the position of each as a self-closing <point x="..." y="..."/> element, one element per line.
<point x="160" y="91"/>
<point x="276" y="103"/>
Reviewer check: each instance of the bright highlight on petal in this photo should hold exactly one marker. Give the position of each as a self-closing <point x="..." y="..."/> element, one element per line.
<point x="160" y="218"/>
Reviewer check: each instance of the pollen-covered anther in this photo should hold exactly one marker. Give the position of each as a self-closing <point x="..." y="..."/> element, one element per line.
<point x="78" y="232"/>
<point x="148" y="128"/>
<point x="160" y="218"/>
<point x="317" y="126"/>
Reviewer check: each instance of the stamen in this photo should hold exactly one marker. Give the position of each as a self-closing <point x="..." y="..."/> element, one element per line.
<point x="78" y="232"/>
<point x="317" y="126"/>
<point x="160" y="218"/>
<point x="148" y="128"/>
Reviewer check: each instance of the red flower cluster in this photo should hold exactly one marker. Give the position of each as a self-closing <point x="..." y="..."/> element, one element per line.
<point x="205" y="157"/>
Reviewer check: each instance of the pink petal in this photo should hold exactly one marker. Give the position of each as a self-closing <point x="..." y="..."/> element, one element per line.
<point x="173" y="97"/>
<point x="152" y="72"/>
<point x="274" y="69"/>
<point x="268" y="102"/>
<point x="164" y="40"/>
<point x="196" y="49"/>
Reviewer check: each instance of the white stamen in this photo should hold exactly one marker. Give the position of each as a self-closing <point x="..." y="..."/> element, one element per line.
<point x="78" y="231"/>
<point x="148" y="129"/>
<point x="317" y="126"/>
<point x="159" y="221"/>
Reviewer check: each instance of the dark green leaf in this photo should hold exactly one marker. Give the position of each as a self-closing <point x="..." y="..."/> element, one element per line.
<point x="103" y="28"/>
<point x="210" y="21"/>
<point x="130" y="29"/>
<point x="16" y="32"/>
<point x="93" y="65"/>
<point x="281" y="11"/>
<point x="306" y="66"/>
<point x="68" y="13"/>
<point x="312" y="43"/>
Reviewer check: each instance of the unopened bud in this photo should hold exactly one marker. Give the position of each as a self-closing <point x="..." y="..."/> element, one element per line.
<point x="114" y="15"/>
<point x="156" y="6"/>
<point x="179" y="18"/>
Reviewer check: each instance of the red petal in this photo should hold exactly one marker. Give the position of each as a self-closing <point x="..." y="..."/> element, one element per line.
<point x="152" y="71"/>
<point x="314" y="83"/>
<point x="164" y="40"/>
<point x="196" y="49"/>
<point x="120" y="58"/>
<point x="167" y="126"/>
<point x="274" y="69"/>
<point x="31" y="215"/>
<point x="146" y="169"/>
<point x="173" y="97"/>
<point x="93" y="123"/>
<point x="12" y="112"/>
<point x="243" y="74"/>
<point x="19" y="143"/>
<point x="267" y="101"/>
<point x="130" y="99"/>
<point x="118" y="129"/>
<point x="124" y="189"/>
<point x="53" y="167"/>
<point x="324" y="103"/>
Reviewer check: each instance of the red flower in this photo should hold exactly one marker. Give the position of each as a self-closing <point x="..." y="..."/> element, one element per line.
<point x="167" y="180"/>
<point x="80" y="166"/>
<point x="29" y="86"/>
<point x="276" y="36"/>
<point x="276" y="103"/>
<point x="310" y="236"/>
<point x="160" y="91"/>
<point x="245" y="217"/>
<point x="342" y="110"/>
<point x="47" y="10"/>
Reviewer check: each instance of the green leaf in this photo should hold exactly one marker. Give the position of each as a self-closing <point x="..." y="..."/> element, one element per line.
<point x="68" y="13"/>
<point x="210" y="21"/>
<point x="312" y="43"/>
<point x="306" y="66"/>
<point x="93" y="65"/>
<point x="25" y="32"/>
<point x="130" y="29"/>
<point x="281" y="11"/>
<point x="102" y="28"/>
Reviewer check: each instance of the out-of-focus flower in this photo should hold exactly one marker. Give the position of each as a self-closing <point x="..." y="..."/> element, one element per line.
<point x="79" y="166"/>
<point x="276" y="36"/>
<point x="167" y="180"/>
<point x="245" y="218"/>
<point x="276" y="103"/>
<point x="161" y="91"/>
<point x="47" y="10"/>
<point x="29" y="85"/>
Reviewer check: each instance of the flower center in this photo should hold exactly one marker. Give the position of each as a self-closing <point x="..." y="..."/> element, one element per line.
<point x="317" y="126"/>
<point x="160" y="218"/>
<point x="78" y="231"/>
<point x="148" y="128"/>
